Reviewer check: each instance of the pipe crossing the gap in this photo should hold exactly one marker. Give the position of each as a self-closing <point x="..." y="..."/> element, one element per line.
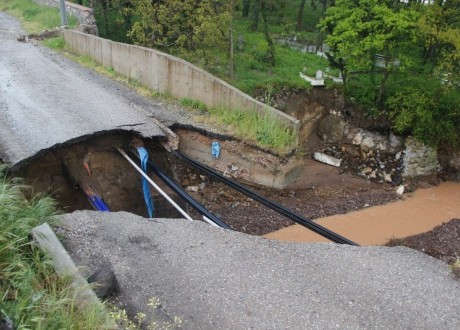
<point x="206" y="214"/>
<point x="165" y="195"/>
<point x="334" y="237"/>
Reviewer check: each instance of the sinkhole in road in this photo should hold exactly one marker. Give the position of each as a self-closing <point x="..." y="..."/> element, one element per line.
<point x="93" y="163"/>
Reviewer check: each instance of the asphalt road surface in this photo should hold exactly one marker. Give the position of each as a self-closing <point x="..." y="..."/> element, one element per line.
<point x="47" y="100"/>
<point x="211" y="278"/>
<point x="218" y="279"/>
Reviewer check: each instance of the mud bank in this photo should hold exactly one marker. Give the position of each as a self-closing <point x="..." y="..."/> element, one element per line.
<point x="417" y="213"/>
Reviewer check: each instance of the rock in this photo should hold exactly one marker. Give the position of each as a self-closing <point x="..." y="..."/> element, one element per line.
<point x="202" y="185"/>
<point x="235" y="167"/>
<point x="387" y="177"/>
<point x="367" y="143"/>
<point x="419" y="159"/>
<point x="395" y="142"/>
<point x="351" y="150"/>
<point x="373" y="175"/>
<point x="202" y="177"/>
<point x="192" y="188"/>
<point x="331" y="129"/>
<point x="367" y="170"/>
<point x="323" y="158"/>
<point x="6" y="324"/>
<point x="400" y="190"/>
<point x="455" y="160"/>
<point x="398" y="155"/>
<point x="104" y="282"/>
<point x="382" y="146"/>
<point x="358" y="139"/>
<point x="227" y="174"/>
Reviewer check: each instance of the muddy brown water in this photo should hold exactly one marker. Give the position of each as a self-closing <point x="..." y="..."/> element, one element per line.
<point x="418" y="212"/>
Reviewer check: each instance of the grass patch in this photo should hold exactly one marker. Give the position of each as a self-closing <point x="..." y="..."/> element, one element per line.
<point x="32" y="296"/>
<point x="35" y="18"/>
<point x="193" y="104"/>
<point x="265" y="130"/>
<point x="57" y="43"/>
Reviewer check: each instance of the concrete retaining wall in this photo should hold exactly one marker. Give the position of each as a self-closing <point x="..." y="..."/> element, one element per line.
<point x="84" y="15"/>
<point x="168" y="74"/>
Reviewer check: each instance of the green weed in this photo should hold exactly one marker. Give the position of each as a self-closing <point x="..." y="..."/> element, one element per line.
<point x="57" y="43"/>
<point x="193" y="104"/>
<point x="32" y="296"/>
<point x="35" y="18"/>
<point x="260" y="128"/>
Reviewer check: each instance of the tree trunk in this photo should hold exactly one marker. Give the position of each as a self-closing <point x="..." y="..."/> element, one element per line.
<point x="246" y="5"/>
<point x="271" y="45"/>
<point x="281" y="11"/>
<point x="231" y="57"/>
<point x="300" y="15"/>
<point x="255" y="15"/>
<point x="386" y="74"/>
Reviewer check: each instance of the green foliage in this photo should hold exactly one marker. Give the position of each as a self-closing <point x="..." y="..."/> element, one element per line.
<point x="35" y="18"/>
<point x="417" y="78"/>
<point x="440" y="28"/>
<point x="429" y="113"/>
<point x="264" y="129"/>
<point x="57" y="43"/>
<point x="188" y="28"/>
<point x="31" y="294"/>
<point x="193" y="104"/>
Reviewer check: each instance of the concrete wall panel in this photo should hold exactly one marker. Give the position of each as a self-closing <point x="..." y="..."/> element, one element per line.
<point x="120" y="58"/>
<point x="163" y="74"/>
<point x="95" y="49"/>
<point x="154" y="72"/>
<point x="106" y="52"/>
<point x="170" y="75"/>
<point x="139" y="63"/>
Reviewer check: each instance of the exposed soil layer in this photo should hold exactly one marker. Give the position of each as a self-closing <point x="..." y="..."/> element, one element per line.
<point x="94" y="165"/>
<point x="320" y="191"/>
<point x="442" y="242"/>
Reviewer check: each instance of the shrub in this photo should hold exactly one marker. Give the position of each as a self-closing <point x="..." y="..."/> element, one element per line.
<point x="431" y="116"/>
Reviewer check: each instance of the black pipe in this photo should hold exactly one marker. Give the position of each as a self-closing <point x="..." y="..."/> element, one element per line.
<point x="336" y="238"/>
<point x="179" y="191"/>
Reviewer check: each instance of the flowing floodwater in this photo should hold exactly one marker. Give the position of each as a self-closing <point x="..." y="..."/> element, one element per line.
<point x="417" y="213"/>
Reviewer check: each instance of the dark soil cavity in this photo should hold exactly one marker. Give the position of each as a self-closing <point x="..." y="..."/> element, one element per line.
<point x="62" y="172"/>
<point x="319" y="191"/>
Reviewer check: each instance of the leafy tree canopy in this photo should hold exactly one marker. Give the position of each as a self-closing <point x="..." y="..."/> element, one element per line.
<point x="189" y="28"/>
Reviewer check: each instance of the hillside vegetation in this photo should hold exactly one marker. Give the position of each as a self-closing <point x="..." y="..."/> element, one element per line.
<point x="397" y="59"/>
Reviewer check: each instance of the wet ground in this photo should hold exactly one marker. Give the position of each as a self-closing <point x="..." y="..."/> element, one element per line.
<point x="442" y="242"/>
<point x="320" y="191"/>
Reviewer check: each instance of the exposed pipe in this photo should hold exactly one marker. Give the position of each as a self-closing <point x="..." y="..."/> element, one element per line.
<point x="177" y="207"/>
<point x="179" y="191"/>
<point x="329" y="234"/>
<point x="210" y="222"/>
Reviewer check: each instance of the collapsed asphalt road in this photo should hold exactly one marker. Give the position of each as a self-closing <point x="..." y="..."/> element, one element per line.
<point x="218" y="279"/>
<point x="210" y="278"/>
<point x="47" y="100"/>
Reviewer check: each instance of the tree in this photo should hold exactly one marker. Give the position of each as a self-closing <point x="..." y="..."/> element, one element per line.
<point x="195" y="29"/>
<point x="300" y="15"/>
<point x="268" y="38"/>
<point x="246" y="6"/>
<point x="440" y="29"/>
<point x="360" y="30"/>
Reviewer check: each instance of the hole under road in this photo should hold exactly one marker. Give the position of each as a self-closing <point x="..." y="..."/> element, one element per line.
<point x="95" y="165"/>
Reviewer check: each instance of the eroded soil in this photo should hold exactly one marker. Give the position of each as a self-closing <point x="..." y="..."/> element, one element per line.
<point x="320" y="191"/>
<point x="442" y="242"/>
